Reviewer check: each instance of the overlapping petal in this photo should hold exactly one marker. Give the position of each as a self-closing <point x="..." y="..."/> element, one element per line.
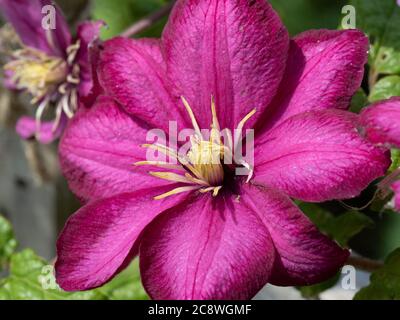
<point x="131" y="72"/>
<point x="226" y="247"/>
<point x="318" y="156"/>
<point x="324" y="70"/>
<point x="381" y="122"/>
<point x="234" y="50"/>
<point x="26" y="17"/>
<point x="87" y="33"/>
<point x="206" y="249"/>
<point x="103" y="236"/>
<point x="27" y="128"/>
<point x="304" y="256"/>
<point x="99" y="149"/>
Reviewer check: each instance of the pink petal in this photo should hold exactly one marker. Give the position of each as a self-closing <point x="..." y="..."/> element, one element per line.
<point x="27" y="129"/>
<point x="304" y="255"/>
<point x="99" y="149"/>
<point x="234" y="50"/>
<point x="90" y="89"/>
<point x="206" y="249"/>
<point x="101" y="238"/>
<point x="26" y="17"/>
<point x="87" y="33"/>
<point x="318" y="156"/>
<point x="132" y="72"/>
<point x="396" y="189"/>
<point x="325" y="69"/>
<point x="8" y="81"/>
<point x="382" y="122"/>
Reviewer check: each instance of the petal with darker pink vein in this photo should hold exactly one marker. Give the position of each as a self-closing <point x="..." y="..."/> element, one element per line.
<point x="26" y="17"/>
<point x="103" y="236"/>
<point x="99" y="149"/>
<point x="234" y="50"/>
<point x="206" y="249"/>
<point x="318" y="156"/>
<point x="381" y="121"/>
<point x="131" y="72"/>
<point x="304" y="256"/>
<point x="324" y="70"/>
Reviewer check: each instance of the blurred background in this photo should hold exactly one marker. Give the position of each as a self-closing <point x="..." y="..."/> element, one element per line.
<point x="35" y="197"/>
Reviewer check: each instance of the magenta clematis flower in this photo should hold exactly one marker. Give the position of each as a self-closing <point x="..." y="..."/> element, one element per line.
<point x="201" y="231"/>
<point x="381" y="122"/>
<point x="51" y="66"/>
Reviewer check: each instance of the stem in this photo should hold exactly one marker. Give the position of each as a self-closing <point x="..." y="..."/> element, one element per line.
<point x="373" y="78"/>
<point x="148" y="21"/>
<point x="364" y="264"/>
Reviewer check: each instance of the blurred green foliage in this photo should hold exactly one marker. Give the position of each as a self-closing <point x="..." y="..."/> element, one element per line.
<point x="341" y="227"/>
<point x="32" y="278"/>
<point x="120" y="14"/>
<point x="380" y="20"/>
<point x="385" y="282"/>
<point x="385" y="88"/>
<point x="8" y="243"/>
<point x="302" y="15"/>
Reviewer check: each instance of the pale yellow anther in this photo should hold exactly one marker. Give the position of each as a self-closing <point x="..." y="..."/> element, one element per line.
<point x="36" y="72"/>
<point x="176" y="191"/>
<point x="163" y="149"/>
<point x="214" y="190"/>
<point x="160" y="164"/>
<point x="215" y="136"/>
<point x="239" y="129"/>
<point x="245" y="119"/>
<point x="170" y="176"/>
<point x="192" y="117"/>
<point x="204" y="160"/>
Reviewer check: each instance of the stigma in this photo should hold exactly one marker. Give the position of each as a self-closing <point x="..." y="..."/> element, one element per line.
<point x="203" y="167"/>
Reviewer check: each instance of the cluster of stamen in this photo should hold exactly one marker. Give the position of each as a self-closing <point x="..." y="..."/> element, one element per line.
<point x="202" y="167"/>
<point x="48" y="79"/>
<point x="36" y="72"/>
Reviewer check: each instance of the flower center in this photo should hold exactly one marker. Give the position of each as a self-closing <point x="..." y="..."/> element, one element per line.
<point x="203" y="167"/>
<point x="207" y="157"/>
<point x="49" y="79"/>
<point x="36" y="72"/>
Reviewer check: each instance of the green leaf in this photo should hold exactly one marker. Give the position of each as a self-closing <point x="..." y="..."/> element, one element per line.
<point x="346" y="226"/>
<point x="385" y="282"/>
<point x="301" y="15"/>
<point x="358" y="101"/>
<point x="395" y="159"/>
<point x="127" y="285"/>
<point x="31" y="278"/>
<point x="341" y="228"/>
<point x="8" y="243"/>
<point x="385" y="88"/>
<point x="380" y="19"/>
<point x="313" y="291"/>
<point x="119" y="15"/>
